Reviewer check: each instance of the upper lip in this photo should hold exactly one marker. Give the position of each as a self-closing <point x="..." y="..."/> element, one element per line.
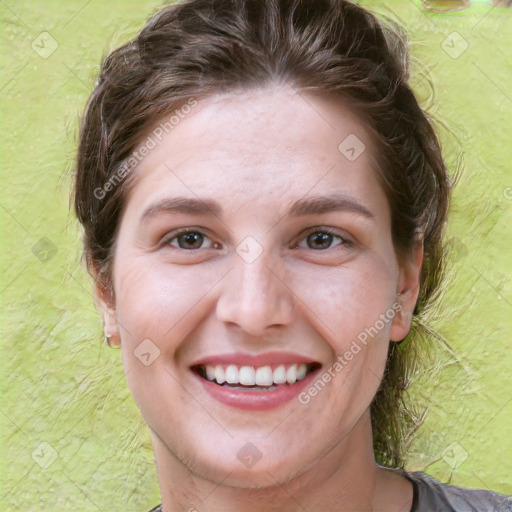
<point x="268" y="358"/>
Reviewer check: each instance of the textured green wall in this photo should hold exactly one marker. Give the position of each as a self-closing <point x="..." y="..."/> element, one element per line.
<point x="71" y="436"/>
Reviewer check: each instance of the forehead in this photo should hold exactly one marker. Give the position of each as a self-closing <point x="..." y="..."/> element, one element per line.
<point x="261" y="146"/>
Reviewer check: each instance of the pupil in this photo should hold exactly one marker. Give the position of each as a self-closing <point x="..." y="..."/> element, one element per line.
<point x="322" y="238"/>
<point x="190" y="238"/>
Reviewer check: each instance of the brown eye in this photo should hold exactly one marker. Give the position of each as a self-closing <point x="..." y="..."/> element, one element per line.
<point x="189" y="240"/>
<point x="320" y="240"/>
<point x="323" y="239"/>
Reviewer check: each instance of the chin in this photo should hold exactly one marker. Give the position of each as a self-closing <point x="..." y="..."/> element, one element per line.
<point x="247" y="469"/>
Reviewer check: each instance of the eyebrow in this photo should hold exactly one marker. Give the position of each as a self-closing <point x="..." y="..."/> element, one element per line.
<point x="301" y="207"/>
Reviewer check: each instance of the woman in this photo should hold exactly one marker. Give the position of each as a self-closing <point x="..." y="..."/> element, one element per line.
<point x="263" y="201"/>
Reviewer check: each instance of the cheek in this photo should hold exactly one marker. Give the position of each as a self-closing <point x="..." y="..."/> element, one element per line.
<point x="154" y="300"/>
<point x="352" y="302"/>
<point x="349" y="299"/>
<point x="142" y="302"/>
<point x="155" y="307"/>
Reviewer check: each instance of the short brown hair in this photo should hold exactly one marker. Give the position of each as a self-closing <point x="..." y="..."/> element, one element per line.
<point x="196" y="48"/>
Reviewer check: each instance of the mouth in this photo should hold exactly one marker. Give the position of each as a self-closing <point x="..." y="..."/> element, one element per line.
<point x="262" y="378"/>
<point x="255" y="387"/>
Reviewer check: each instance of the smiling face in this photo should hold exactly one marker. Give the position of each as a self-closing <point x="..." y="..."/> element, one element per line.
<point x="285" y="257"/>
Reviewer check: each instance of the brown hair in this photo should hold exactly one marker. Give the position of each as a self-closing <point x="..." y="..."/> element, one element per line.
<point x="197" y="48"/>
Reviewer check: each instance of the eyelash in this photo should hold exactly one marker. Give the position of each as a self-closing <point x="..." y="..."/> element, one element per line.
<point x="344" y="241"/>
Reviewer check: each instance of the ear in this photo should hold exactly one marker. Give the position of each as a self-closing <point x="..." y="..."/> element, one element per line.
<point x="408" y="288"/>
<point x="104" y="301"/>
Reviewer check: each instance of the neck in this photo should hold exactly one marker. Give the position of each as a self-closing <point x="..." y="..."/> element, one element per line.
<point x="345" y="478"/>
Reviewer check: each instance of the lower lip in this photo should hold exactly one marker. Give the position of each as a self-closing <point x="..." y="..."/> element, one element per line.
<point x="256" y="400"/>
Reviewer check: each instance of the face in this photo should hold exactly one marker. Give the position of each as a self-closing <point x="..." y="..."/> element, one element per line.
<point x="255" y="246"/>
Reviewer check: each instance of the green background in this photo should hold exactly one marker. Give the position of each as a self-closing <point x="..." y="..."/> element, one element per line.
<point x="71" y="436"/>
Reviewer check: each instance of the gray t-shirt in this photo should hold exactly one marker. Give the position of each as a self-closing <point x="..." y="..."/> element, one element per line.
<point x="433" y="496"/>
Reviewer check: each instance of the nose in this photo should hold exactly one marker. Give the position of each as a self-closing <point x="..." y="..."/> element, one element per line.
<point x="255" y="296"/>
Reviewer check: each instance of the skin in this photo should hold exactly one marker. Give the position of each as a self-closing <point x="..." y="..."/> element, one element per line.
<point x="255" y="152"/>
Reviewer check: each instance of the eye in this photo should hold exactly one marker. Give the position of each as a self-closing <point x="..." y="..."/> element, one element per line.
<point x="189" y="240"/>
<point x="192" y="239"/>
<point x="322" y="238"/>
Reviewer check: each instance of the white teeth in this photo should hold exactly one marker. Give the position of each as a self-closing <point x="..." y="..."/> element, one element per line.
<point x="210" y="372"/>
<point x="247" y="376"/>
<point x="280" y="374"/>
<point x="291" y="374"/>
<point x="264" y="376"/>
<point x="232" y="376"/>
<point x="220" y="376"/>
<point x="301" y="371"/>
<point x="250" y="376"/>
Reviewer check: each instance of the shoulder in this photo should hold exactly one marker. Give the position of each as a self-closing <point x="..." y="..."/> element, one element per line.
<point x="434" y="496"/>
<point x="158" y="508"/>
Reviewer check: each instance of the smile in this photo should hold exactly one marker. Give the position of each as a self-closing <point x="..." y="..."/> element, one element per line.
<point x="252" y="386"/>
<point x="263" y="377"/>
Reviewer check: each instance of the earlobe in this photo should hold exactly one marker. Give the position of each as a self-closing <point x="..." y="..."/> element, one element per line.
<point x="105" y="304"/>
<point x="408" y="288"/>
<point x="110" y="324"/>
<point x="401" y="324"/>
